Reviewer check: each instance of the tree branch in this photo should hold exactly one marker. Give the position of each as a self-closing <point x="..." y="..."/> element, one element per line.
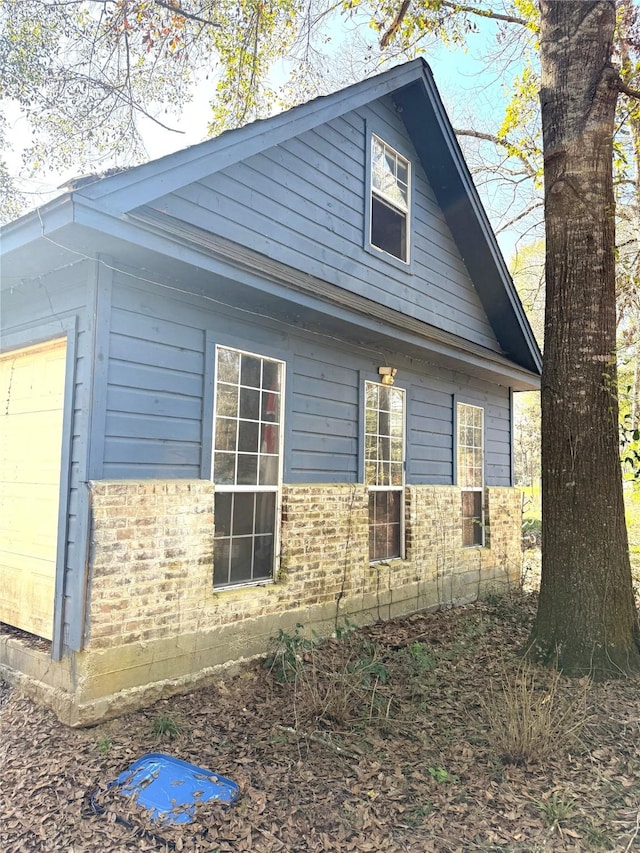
<point x="178" y="10"/>
<point x="395" y="24"/>
<point x="447" y="4"/>
<point x="511" y="222"/>
<point x="174" y="7"/>
<point x="485" y="13"/>
<point x="627" y="90"/>
<point x="497" y="140"/>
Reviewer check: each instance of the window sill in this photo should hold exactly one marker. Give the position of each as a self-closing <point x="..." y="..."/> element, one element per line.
<point x="390" y="563"/>
<point x="249" y="586"/>
<point x="405" y="266"/>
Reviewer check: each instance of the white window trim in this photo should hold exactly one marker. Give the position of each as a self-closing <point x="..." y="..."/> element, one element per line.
<point x="402" y="487"/>
<point x="384" y="198"/>
<point x="480" y="488"/>
<point x="229" y="487"/>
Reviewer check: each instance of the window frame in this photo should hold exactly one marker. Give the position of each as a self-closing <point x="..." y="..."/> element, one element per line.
<point x="234" y="488"/>
<point x="370" y="246"/>
<point x="459" y="477"/>
<point x="386" y="488"/>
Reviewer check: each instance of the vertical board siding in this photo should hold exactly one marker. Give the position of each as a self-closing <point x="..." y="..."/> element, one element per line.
<point x="302" y="203"/>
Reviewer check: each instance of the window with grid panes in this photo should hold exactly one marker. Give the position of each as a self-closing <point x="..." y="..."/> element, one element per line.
<point x="390" y="176"/>
<point x="384" y="469"/>
<point x="470" y="468"/>
<point x="246" y="466"/>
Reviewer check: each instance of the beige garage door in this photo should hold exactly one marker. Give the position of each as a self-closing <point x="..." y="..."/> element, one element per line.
<point x="31" y="398"/>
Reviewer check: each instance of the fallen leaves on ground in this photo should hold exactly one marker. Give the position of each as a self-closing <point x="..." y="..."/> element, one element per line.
<point x="410" y="768"/>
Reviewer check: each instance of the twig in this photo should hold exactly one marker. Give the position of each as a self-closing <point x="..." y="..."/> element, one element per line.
<point x="183" y="13"/>
<point x="316" y="739"/>
<point x="635" y="834"/>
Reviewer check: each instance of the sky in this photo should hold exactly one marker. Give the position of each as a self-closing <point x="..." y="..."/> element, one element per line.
<point x="474" y="97"/>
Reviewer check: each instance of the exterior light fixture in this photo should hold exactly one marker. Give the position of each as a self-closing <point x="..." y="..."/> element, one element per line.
<point x="387" y="374"/>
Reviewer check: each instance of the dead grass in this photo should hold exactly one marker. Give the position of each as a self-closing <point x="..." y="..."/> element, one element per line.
<point x="530" y="717"/>
<point x="426" y="770"/>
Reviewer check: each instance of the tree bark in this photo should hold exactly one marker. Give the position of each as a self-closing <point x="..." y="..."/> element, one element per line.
<point x="587" y="622"/>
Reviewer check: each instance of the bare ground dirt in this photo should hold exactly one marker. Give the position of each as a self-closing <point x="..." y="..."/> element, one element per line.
<point x="388" y="739"/>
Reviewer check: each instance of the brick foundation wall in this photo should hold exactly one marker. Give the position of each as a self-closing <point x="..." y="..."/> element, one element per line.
<point x="156" y="626"/>
<point x="151" y="559"/>
<point x="152" y="556"/>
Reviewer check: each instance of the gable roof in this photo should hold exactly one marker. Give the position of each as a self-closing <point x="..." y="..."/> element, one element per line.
<point x="96" y="203"/>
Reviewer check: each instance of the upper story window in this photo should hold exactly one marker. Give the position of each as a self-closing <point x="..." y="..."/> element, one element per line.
<point x="470" y="467"/>
<point x="390" y="184"/>
<point x="384" y="469"/>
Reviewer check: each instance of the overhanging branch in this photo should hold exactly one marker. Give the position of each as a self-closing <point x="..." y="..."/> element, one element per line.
<point x="627" y="90"/>
<point x="511" y="149"/>
<point x="395" y="25"/>
<point x="174" y="7"/>
<point x="178" y="10"/>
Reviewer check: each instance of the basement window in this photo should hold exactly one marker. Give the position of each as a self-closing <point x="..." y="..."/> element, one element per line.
<point x="390" y="184"/>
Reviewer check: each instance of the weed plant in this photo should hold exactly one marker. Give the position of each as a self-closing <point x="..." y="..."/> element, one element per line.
<point x="104" y="745"/>
<point x="556" y="809"/>
<point x="339" y="680"/>
<point x="166" y="726"/>
<point x="441" y="776"/>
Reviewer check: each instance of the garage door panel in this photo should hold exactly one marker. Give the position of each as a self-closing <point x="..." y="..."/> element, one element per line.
<point x="35" y="431"/>
<point x="38" y="492"/>
<point x="32" y="386"/>
<point x="39" y="388"/>
<point x="32" y="550"/>
<point x="22" y="543"/>
<point x="27" y="593"/>
<point x="40" y="568"/>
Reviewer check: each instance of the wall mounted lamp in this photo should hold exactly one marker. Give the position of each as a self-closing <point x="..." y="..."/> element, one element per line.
<point x="387" y="374"/>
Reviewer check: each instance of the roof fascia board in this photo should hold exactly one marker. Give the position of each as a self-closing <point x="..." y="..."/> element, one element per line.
<point x="453" y="146"/>
<point x="40" y="222"/>
<point x="141" y="184"/>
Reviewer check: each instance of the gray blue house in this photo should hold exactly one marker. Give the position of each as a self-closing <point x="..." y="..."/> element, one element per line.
<point x="264" y="380"/>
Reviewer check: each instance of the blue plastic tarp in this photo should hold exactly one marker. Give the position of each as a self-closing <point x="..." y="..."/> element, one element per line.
<point x="170" y="788"/>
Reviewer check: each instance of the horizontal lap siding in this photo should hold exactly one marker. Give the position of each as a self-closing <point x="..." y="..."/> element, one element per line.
<point x="155" y="416"/>
<point x="430" y="432"/>
<point x="430" y="428"/>
<point x="497" y="429"/>
<point x="498" y="444"/>
<point x="324" y="433"/>
<point x="154" y="390"/>
<point x="302" y="203"/>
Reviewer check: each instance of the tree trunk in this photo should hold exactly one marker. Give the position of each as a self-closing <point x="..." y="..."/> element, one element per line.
<point x="587" y="622"/>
